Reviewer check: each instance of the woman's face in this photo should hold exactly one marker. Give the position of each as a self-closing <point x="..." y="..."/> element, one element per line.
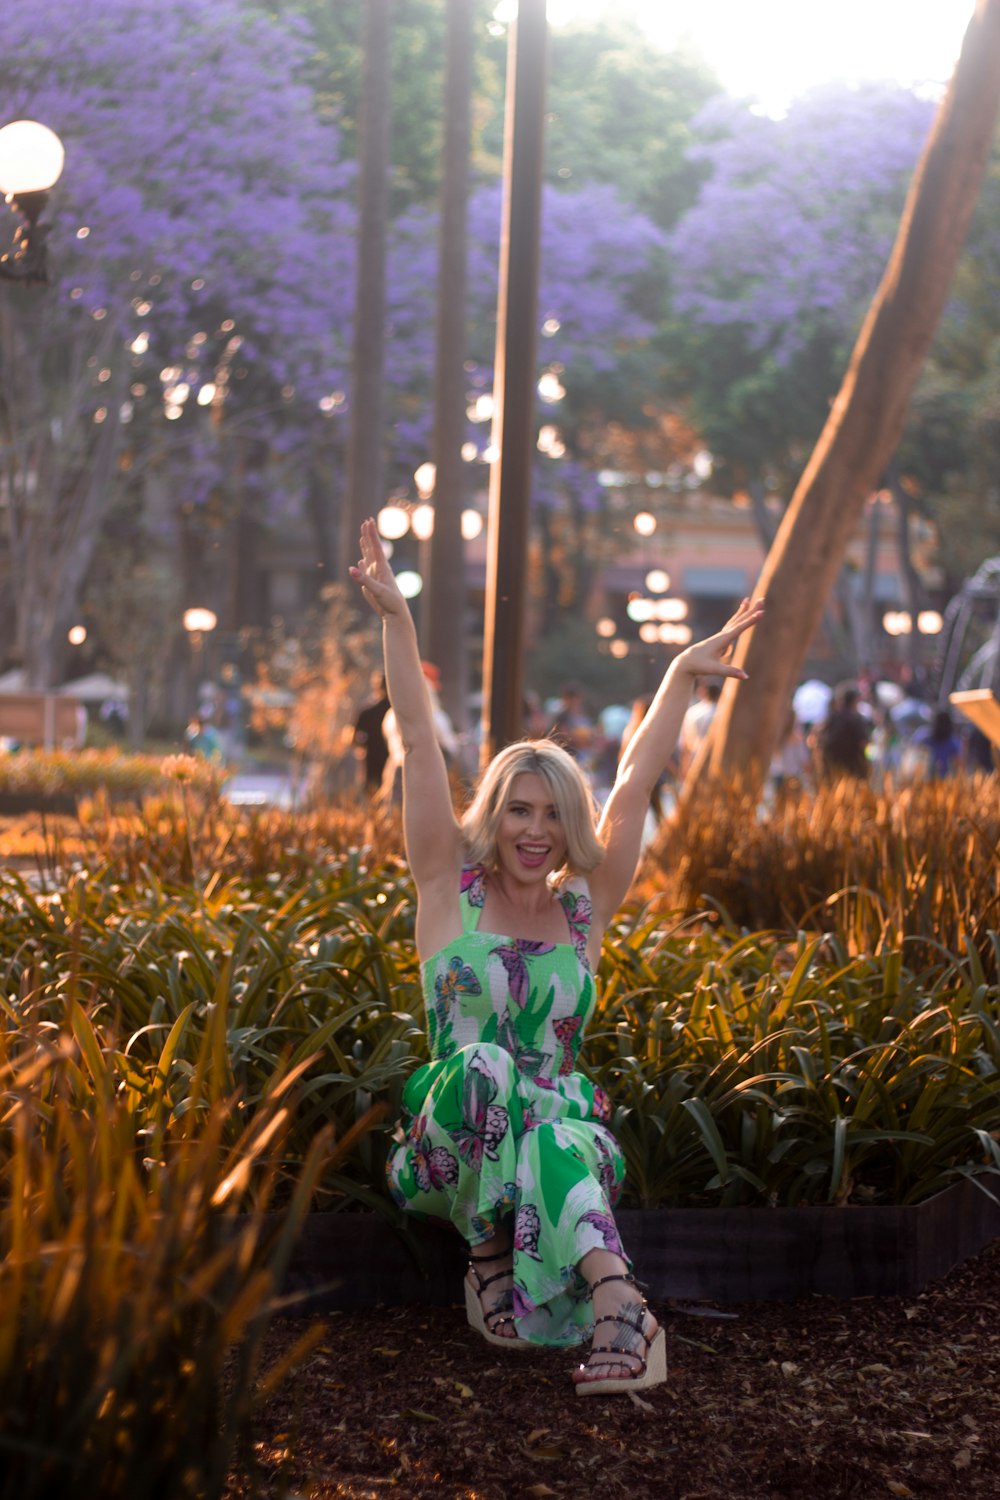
<point x="530" y="839"/>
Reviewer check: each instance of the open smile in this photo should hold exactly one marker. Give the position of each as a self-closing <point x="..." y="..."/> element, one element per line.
<point x="533" y="854"/>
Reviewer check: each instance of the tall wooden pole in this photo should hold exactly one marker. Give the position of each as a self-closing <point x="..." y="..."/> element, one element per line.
<point x="443" y="602"/>
<point x="514" y="381"/>
<point x="366" y="456"/>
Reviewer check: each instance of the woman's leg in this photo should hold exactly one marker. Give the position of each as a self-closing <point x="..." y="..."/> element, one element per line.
<point x="459" y="1163"/>
<point x="568" y="1173"/>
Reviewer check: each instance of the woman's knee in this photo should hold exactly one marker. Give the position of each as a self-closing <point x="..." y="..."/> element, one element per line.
<point x="488" y="1057"/>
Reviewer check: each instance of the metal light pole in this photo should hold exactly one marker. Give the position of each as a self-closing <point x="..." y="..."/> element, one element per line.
<point x="514" y="380"/>
<point x="199" y="623"/>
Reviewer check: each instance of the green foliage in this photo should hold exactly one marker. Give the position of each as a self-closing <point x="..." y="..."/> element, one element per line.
<point x="763" y="1071"/>
<point x="855" y="1060"/>
<point x="336" y="75"/>
<point x="266" y="973"/>
<point x="134" y="1294"/>
<point x="620" y="111"/>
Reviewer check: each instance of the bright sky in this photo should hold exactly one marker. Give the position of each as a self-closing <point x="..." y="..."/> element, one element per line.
<point x="775" y="50"/>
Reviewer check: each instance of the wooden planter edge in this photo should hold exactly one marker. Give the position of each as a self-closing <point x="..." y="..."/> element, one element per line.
<point x="351" y="1261"/>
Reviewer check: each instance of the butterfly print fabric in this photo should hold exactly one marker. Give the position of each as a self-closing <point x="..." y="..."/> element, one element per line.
<point x="514" y="957"/>
<point x="504" y="1131"/>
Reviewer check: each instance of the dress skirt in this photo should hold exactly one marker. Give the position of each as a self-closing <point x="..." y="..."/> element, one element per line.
<point x="488" y="1145"/>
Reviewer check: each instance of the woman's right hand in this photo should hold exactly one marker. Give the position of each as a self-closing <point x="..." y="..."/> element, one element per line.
<point x="373" y="573"/>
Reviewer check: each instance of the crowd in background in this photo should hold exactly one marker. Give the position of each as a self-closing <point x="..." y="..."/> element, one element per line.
<point x="873" y="732"/>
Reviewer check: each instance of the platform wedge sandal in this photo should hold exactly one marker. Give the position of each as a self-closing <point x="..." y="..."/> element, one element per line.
<point x="500" y="1315"/>
<point x="623" y="1350"/>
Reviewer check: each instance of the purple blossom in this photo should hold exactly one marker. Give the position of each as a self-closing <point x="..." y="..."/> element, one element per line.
<point x="795" y="222"/>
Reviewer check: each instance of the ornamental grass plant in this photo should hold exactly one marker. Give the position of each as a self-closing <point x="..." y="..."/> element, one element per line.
<point x="185" y="834"/>
<point x="111" y="773"/>
<point x="760" y="1070"/>
<point x="273" y="972"/>
<point x="743" y="1068"/>
<point x="139" y="1264"/>
<point x="919" y="863"/>
<point x="845" y="1053"/>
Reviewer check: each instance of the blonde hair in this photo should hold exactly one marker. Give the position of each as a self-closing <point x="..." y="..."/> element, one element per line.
<point x="573" y="799"/>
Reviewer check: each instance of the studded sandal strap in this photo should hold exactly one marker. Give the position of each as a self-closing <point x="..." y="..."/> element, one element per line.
<point x="482" y="1282"/>
<point x="619" y="1356"/>
<point x="614" y="1357"/>
<point x="635" y="1327"/>
<point x="621" y="1276"/>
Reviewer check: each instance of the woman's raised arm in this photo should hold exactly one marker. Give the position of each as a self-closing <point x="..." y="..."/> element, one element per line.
<point x="647" y="754"/>
<point x="432" y="835"/>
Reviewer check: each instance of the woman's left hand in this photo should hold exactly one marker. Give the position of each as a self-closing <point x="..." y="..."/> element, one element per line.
<point x="373" y="573"/>
<point x="706" y="658"/>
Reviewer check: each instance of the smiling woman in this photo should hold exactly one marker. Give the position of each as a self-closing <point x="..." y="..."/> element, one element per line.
<point x="503" y="1136"/>
<point x="776" y="50"/>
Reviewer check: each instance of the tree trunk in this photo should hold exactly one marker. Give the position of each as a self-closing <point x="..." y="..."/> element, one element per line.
<point x="57" y="466"/>
<point x="867" y="417"/>
<point x="514" y="380"/>
<point x="907" y="572"/>
<point x="444" y="590"/>
<point x="366" y="451"/>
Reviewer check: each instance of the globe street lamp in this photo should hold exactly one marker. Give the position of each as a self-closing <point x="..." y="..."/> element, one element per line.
<point x="31" y="161"/>
<point x="198" y="623"/>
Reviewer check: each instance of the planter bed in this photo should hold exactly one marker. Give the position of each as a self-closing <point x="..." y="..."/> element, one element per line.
<point x="721" y="1255"/>
<point x="17" y="804"/>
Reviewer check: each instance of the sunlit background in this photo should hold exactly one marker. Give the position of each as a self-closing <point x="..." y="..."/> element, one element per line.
<point x="775" y="50"/>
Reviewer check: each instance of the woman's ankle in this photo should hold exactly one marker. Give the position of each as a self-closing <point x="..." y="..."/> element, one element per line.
<point x="497" y="1246"/>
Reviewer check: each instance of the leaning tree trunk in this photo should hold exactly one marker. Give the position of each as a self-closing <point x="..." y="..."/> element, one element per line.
<point x="867" y="417"/>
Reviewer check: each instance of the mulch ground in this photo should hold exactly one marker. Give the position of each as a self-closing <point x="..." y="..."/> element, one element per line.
<point x="813" y="1398"/>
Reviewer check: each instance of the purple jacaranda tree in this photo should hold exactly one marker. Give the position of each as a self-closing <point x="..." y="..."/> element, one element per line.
<point x="202" y="240"/>
<point x="189" y="366"/>
<point x="774" y="265"/>
<point x="595" y="252"/>
<point x="793" y="225"/>
<point x="868" y="412"/>
<point x="772" y="269"/>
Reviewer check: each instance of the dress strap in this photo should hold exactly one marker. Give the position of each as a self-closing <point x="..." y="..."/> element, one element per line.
<point x="576" y="903"/>
<point x="575" y="900"/>
<point x="472" y="895"/>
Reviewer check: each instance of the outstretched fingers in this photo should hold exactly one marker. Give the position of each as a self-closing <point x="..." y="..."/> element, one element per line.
<point x="747" y="614"/>
<point x="373" y="573"/>
<point x="745" y="618"/>
<point x="710" y="656"/>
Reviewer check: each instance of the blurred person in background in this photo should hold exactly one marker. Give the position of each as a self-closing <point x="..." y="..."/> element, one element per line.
<point x="791" y="765"/>
<point x="573" y="728"/>
<point x="370" y="745"/>
<point x="202" y="738"/>
<point x="392" y="787"/>
<point x="842" y="739"/>
<point x="980" y="754"/>
<point x="941" y="746"/>
<point x="696" y="724"/>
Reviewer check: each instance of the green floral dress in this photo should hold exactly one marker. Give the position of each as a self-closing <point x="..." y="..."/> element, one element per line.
<point x="499" y="1124"/>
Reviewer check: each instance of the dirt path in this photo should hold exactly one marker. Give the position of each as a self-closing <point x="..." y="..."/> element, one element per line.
<point x="787" y="1401"/>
